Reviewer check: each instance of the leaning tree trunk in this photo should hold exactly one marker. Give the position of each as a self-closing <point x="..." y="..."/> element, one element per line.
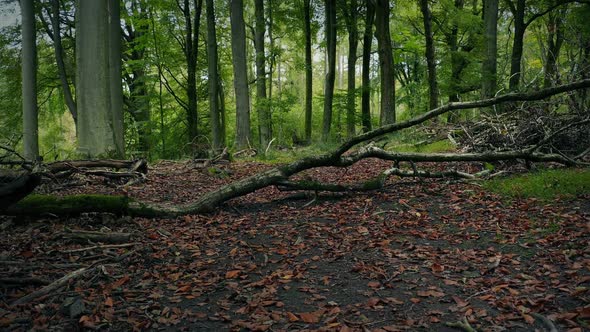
<point x="340" y="157"/>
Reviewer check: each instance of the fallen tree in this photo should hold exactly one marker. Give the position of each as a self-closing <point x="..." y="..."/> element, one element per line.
<point x="343" y="157"/>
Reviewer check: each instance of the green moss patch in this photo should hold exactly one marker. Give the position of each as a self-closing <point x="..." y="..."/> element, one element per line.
<point x="545" y="184"/>
<point x="37" y="204"/>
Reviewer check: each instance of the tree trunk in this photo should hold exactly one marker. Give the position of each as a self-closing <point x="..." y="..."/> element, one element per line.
<point x="385" y="63"/>
<point x="330" y="27"/>
<point x="263" y="110"/>
<point x="213" y="77"/>
<point x="95" y="120"/>
<point x="353" y="39"/>
<point x="366" y="78"/>
<point x="518" y="43"/>
<point x="430" y="55"/>
<point x="191" y="52"/>
<point x="59" y="59"/>
<point x="238" y="42"/>
<point x="115" y="84"/>
<point x="458" y="61"/>
<point x="29" y="81"/>
<point x="308" y="69"/>
<point x="554" y="42"/>
<point x="489" y="65"/>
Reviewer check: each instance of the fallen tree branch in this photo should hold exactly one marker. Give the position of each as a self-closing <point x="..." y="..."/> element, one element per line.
<point x="105" y="246"/>
<point x="52" y="287"/>
<point x="92" y="236"/>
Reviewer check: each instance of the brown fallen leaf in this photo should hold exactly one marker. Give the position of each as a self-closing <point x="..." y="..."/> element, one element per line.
<point x="309" y="317"/>
<point x="232" y="274"/>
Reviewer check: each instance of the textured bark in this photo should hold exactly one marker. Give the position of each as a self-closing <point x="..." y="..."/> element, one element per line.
<point x="366" y="79"/>
<point x="554" y="42"/>
<point x="330" y="27"/>
<point x="115" y="77"/>
<point x="59" y="59"/>
<point x="353" y="40"/>
<point x="385" y="63"/>
<point x="95" y="122"/>
<point x="190" y="51"/>
<point x="308" y="69"/>
<point x="213" y="78"/>
<point x="430" y="55"/>
<point x="29" y="81"/>
<point x="263" y="110"/>
<point x="238" y="42"/>
<point x="490" y="62"/>
<point x="518" y="43"/>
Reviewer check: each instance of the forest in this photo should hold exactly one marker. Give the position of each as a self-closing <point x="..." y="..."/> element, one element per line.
<point x="258" y="165"/>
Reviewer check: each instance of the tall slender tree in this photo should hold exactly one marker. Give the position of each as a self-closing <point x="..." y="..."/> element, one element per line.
<point x="238" y="44"/>
<point x="490" y="62"/>
<point x="353" y="41"/>
<point x="29" y="81"/>
<point x="308" y="69"/>
<point x="385" y="62"/>
<point x="213" y="78"/>
<point x="330" y="28"/>
<point x="263" y="110"/>
<point x="366" y="78"/>
<point x="115" y="80"/>
<point x="430" y="55"/>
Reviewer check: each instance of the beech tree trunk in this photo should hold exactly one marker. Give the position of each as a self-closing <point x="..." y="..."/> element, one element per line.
<point x="29" y="81"/>
<point x="353" y="40"/>
<point x="263" y="109"/>
<point x="213" y="78"/>
<point x="489" y="65"/>
<point x="115" y="76"/>
<point x="308" y="69"/>
<point x="366" y="78"/>
<point x="385" y="63"/>
<point x="238" y="44"/>
<point x="554" y="42"/>
<point x="430" y="55"/>
<point x="330" y="27"/>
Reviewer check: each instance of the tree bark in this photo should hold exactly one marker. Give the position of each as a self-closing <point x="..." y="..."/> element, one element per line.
<point x="95" y="121"/>
<point x="29" y="81"/>
<point x="430" y="55"/>
<point x="191" y="51"/>
<point x="115" y="77"/>
<point x="213" y="77"/>
<point x="353" y="40"/>
<point x="238" y="42"/>
<point x="366" y="78"/>
<point x="385" y="63"/>
<point x="330" y="27"/>
<point x="489" y="65"/>
<point x="263" y="110"/>
<point x="59" y="59"/>
<point x="554" y="43"/>
<point x="518" y="43"/>
<point x="308" y="69"/>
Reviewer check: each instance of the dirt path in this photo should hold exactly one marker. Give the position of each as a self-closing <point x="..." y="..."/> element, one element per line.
<point x="413" y="256"/>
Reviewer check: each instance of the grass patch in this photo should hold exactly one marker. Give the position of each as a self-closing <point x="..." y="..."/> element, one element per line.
<point x="545" y="184"/>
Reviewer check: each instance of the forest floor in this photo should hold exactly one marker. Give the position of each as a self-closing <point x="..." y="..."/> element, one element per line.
<point x="412" y="256"/>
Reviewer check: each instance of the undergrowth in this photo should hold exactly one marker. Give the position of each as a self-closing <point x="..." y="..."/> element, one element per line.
<point x="544" y="184"/>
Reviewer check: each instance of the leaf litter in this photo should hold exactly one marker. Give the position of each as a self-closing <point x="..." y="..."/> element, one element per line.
<point x="412" y="256"/>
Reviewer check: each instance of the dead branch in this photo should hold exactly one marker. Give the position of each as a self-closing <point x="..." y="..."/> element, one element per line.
<point x="105" y="246"/>
<point x="52" y="287"/>
<point x="92" y="236"/>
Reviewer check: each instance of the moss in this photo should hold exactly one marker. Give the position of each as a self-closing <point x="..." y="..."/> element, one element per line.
<point x="545" y="184"/>
<point x="76" y="204"/>
<point x="434" y="147"/>
<point x="376" y="183"/>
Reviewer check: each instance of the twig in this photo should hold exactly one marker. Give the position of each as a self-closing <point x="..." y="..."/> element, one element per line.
<point x="269" y="144"/>
<point x="53" y="286"/>
<point x="105" y="246"/>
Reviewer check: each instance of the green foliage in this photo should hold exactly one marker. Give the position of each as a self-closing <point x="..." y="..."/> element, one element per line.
<point x="545" y="184"/>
